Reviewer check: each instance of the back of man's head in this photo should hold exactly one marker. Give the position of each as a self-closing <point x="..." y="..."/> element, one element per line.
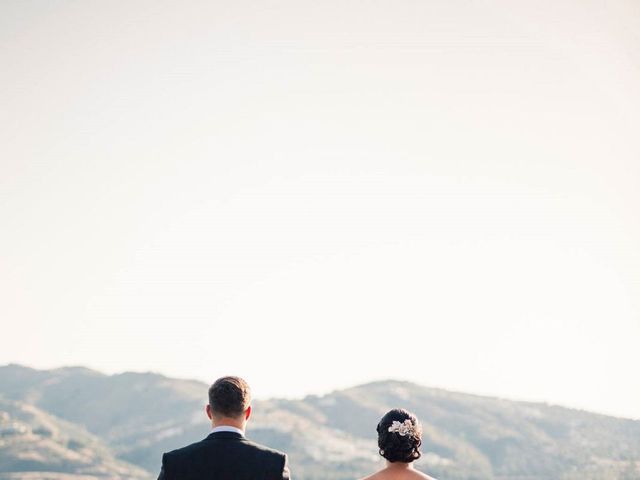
<point x="229" y="397"/>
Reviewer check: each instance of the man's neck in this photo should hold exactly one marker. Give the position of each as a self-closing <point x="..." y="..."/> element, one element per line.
<point x="228" y="422"/>
<point x="227" y="428"/>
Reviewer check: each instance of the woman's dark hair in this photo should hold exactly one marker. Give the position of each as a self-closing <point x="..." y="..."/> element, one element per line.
<point x="394" y="446"/>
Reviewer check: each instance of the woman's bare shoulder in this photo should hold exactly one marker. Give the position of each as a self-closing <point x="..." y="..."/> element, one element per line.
<point x="424" y="476"/>
<point x="375" y="476"/>
<point x="408" y="475"/>
<point x="418" y="475"/>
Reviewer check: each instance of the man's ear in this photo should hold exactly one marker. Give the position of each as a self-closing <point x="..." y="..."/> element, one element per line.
<point x="247" y="413"/>
<point x="207" y="409"/>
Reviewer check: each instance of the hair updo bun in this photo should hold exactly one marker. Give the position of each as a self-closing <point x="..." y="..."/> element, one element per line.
<point x="394" y="446"/>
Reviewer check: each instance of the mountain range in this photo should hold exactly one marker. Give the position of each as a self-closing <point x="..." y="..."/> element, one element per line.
<point x="76" y="423"/>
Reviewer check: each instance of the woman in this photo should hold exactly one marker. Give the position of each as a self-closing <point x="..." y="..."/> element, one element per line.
<point x="399" y="440"/>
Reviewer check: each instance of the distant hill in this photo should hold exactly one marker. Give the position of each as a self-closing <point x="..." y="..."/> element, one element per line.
<point x="130" y="419"/>
<point x="34" y="441"/>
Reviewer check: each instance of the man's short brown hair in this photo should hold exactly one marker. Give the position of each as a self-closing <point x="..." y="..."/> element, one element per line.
<point x="229" y="396"/>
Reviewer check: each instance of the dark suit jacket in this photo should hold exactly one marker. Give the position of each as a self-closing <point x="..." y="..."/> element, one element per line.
<point x="224" y="456"/>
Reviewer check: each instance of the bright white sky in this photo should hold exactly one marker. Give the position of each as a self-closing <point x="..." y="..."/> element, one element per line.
<point x="318" y="194"/>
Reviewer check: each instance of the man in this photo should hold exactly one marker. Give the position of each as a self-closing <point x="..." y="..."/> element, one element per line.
<point x="226" y="454"/>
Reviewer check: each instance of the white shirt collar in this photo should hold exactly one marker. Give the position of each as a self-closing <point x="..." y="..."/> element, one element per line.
<point x="227" y="428"/>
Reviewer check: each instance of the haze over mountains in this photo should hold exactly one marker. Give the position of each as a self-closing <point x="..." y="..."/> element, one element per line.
<point x="75" y="423"/>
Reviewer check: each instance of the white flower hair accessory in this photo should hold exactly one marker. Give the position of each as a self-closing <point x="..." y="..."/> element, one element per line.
<point x="402" y="428"/>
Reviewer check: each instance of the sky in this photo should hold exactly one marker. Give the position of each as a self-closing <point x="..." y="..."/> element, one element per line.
<point x="315" y="195"/>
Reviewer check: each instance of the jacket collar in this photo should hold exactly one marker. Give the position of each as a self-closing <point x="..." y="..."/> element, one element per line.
<point x="227" y="428"/>
<point x="225" y="435"/>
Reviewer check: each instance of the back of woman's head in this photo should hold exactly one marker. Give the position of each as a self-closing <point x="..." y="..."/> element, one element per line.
<point x="399" y="436"/>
